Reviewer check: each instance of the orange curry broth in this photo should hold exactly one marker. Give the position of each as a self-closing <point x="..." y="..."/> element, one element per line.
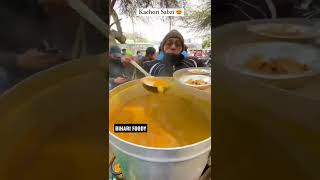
<point x="172" y="121"/>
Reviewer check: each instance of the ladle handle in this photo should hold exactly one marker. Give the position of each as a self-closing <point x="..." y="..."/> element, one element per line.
<point x="140" y="68"/>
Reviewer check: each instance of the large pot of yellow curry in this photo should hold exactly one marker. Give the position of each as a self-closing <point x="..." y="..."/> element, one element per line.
<point x="52" y="124"/>
<point x="177" y="141"/>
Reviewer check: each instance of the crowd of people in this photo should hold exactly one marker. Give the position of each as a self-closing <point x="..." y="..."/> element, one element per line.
<point x="172" y="56"/>
<point x="200" y="53"/>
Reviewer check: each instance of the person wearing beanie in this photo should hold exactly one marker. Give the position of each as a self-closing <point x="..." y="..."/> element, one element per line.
<point x="172" y="47"/>
<point x="118" y="71"/>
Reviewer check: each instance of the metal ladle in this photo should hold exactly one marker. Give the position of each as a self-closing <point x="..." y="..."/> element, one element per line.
<point x="151" y="83"/>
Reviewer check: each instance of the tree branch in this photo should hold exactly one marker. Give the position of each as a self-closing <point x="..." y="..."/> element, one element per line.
<point x="118" y="36"/>
<point x="113" y="2"/>
<point x="147" y="4"/>
<point x="116" y="20"/>
<point x="128" y="7"/>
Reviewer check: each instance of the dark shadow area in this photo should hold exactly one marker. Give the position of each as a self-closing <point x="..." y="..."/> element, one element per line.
<point x="53" y="89"/>
<point x="265" y="123"/>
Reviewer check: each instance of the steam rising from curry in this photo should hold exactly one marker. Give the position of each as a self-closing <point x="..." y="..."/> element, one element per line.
<point x="172" y="121"/>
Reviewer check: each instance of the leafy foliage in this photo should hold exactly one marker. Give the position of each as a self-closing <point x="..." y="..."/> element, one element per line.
<point x="199" y="19"/>
<point x="206" y="43"/>
<point x="137" y="37"/>
<point x="129" y="8"/>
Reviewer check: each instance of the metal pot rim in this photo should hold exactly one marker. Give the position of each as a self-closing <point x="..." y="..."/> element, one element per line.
<point x="189" y="146"/>
<point x="157" y="148"/>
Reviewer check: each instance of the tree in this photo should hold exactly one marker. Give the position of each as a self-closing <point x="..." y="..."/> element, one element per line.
<point x="129" y="8"/>
<point x="206" y="43"/>
<point x="137" y="37"/>
<point x="199" y="18"/>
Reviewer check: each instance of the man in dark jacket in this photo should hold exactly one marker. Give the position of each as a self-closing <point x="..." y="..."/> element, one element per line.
<point x="119" y="71"/>
<point x="172" y="46"/>
<point x="150" y="55"/>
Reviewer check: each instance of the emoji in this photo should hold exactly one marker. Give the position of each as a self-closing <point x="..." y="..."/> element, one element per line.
<point x="178" y="11"/>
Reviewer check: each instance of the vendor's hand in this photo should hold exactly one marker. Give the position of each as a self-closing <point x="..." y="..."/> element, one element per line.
<point x="120" y="80"/>
<point x="126" y="59"/>
<point x="36" y="60"/>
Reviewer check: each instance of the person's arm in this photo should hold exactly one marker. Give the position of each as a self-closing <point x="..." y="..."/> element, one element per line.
<point x="165" y="70"/>
<point x="146" y="65"/>
<point x="195" y="62"/>
<point x="161" y="69"/>
<point x="200" y="63"/>
<point x="166" y="67"/>
<point x="153" y="67"/>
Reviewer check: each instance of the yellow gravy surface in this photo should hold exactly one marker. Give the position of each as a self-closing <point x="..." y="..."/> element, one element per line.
<point x="172" y="121"/>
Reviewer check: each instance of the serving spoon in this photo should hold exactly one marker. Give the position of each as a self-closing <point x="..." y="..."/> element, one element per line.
<point x="151" y="83"/>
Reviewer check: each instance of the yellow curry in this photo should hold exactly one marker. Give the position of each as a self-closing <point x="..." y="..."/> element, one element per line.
<point x="172" y="121"/>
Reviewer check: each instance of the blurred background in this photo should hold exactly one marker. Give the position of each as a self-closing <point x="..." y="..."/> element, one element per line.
<point x="52" y="84"/>
<point x="265" y="127"/>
